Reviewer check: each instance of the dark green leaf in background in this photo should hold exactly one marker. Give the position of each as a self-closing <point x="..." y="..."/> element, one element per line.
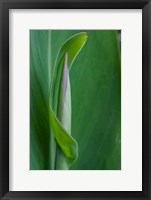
<point x="39" y="100"/>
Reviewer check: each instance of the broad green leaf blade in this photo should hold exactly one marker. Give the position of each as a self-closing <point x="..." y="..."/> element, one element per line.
<point x="95" y="80"/>
<point x="67" y="144"/>
<point x="96" y="114"/>
<point x="39" y="95"/>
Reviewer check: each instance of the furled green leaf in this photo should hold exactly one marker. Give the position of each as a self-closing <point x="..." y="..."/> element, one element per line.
<point x="66" y="142"/>
<point x="64" y="101"/>
<point x="60" y="96"/>
<point x="73" y="46"/>
<point x="64" y="112"/>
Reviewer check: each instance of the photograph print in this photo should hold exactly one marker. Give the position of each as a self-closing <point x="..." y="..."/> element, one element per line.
<point x="75" y="99"/>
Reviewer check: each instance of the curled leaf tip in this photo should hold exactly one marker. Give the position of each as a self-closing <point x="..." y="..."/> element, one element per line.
<point x="85" y="34"/>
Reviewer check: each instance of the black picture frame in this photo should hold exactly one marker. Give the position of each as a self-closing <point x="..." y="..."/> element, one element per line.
<point x="5" y="5"/>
